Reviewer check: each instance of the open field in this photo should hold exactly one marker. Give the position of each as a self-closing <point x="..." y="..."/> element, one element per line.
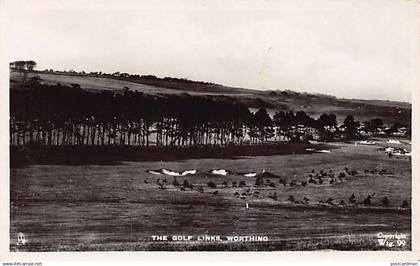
<point x="119" y="207"/>
<point x="90" y="83"/>
<point x="81" y="155"/>
<point x="104" y="83"/>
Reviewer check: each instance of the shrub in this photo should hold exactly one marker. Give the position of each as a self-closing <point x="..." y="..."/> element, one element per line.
<point x="329" y="200"/>
<point x="185" y="183"/>
<point x="211" y="185"/>
<point x="385" y="202"/>
<point x="352" y="198"/>
<point x="353" y="172"/>
<point x="291" y="198"/>
<point x="367" y="201"/>
<point x="405" y="204"/>
<point x="283" y="181"/>
<point x="175" y="182"/>
<point x="274" y="196"/>
<point x="259" y="181"/>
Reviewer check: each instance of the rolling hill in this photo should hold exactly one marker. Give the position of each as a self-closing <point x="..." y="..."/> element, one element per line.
<point x="313" y="104"/>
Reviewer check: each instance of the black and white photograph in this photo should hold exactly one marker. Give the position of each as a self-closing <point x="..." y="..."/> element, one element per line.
<point x="227" y="126"/>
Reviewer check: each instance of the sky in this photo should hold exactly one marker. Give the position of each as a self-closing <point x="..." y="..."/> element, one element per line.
<point x="350" y="49"/>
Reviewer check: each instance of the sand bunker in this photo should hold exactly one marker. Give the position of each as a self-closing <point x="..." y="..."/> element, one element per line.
<point x="367" y="142"/>
<point x="323" y="151"/>
<point x="171" y="173"/>
<point x="219" y="172"/>
<point x="250" y="174"/>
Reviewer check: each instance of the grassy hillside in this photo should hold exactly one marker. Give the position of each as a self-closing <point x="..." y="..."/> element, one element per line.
<point x="314" y="104"/>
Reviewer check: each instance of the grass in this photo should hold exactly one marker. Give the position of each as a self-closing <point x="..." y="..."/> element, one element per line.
<point x="119" y="207"/>
<point x="78" y="155"/>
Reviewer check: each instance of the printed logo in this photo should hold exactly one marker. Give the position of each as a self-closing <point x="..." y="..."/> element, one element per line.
<point x="21" y="239"/>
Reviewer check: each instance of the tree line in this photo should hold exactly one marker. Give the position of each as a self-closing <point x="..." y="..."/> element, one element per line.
<point x="62" y="115"/>
<point x="23" y="65"/>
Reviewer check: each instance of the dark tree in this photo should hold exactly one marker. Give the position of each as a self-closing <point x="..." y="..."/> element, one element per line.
<point x="373" y="125"/>
<point x="263" y="125"/>
<point x="350" y="128"/>
<point x="30" y="65"/>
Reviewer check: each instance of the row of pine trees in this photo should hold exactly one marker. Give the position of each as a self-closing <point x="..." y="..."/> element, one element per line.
<point x="61" y="115"/>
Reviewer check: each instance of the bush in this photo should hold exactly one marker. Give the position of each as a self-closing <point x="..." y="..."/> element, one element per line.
<point x="352" y="198"/>
<point x="283" y="181"/>
<point x="291" y="198"/>
<point x="259" y="181"/>
<point x="211" y="185"/>
<point x="385" y="202"/>
<point x="185" y="183"/>
<point x="274" y="196"/>
<point x="242" y="184"/>
<point x="353" y="172"/>
<point x="405" y="204"/>
<point x="329" y="200"/>
<point x="175" y="182"/>
<point x="367" y="201"/>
